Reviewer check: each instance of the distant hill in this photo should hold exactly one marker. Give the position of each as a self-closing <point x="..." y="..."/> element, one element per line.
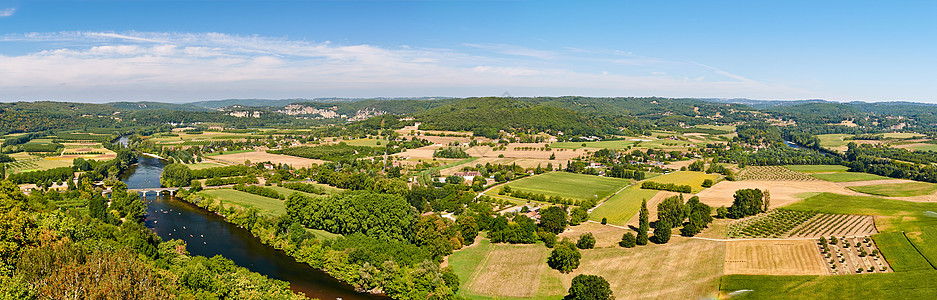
<point x="760" y="104"/>
<point x="215" y="104"/>
<point x="148" y="105"/>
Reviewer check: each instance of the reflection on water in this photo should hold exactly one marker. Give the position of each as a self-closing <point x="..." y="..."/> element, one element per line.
<point x="207" y="234"/>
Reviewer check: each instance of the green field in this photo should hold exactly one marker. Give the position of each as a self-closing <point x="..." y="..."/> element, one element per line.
<point x="897" y="189"/>
<point x="617" y="144"/>
<point x="660" y="144"/>
<point x="901" y="285"/>
<point x="622" y="207"/>
<point x="897" y="250"/>
<point x="833" y="140"/>
<point x="366" y="142"/>
<point x="465" y="262"/>
<point x="569" y="185"/>
<point x="902" y="135"/>
<point x="691" y="178"/>
<point x="891" y="215"/>
<point x="817" y="168"/>
<point x="848" y="176"/>
<point x="322" y="235"/>
<point x="286" y="192"/>
<point x="229" y="152"/>
<point x="267" y="206"/>
<point x="717" y="127"/>
<point x="929" y="147"/>
<point x="204" y="165"/>
<point x="925" y="241"/>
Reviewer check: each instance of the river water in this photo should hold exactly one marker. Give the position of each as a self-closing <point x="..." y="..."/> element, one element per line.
<point x="208" y="234"/>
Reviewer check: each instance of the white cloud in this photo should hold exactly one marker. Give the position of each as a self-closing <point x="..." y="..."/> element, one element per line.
<point x="192" y="66"/>
<point x="7" y="12"/>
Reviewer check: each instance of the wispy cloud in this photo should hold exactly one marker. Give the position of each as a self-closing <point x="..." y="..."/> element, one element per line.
<point x="6" y="12"/>
<point x="102" y="66"/>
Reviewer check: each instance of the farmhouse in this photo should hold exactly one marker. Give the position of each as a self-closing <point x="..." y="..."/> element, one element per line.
<point x="469" y="176"/>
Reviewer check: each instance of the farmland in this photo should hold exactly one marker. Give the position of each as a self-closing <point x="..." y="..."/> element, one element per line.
<point x="899" y="252"/>
<point x="774" y="257"/>
<point x="508" y="271"/>
<point x="847" y="176"/>
<point x="774" y="224"/>
<point x="614" y="144"/>
<point x="570" y="185"/>
<point x="691" y="178"/>
<point x="897" y="189"/>
<point x="817" y="168"/>
<point x="622" y="207"/>
<point x="826" y="225"/>
<point x="890" y="215"/>
<point x="772" y="173"/>
<point x="267" y="206"/>
<point x="903" y="285"/>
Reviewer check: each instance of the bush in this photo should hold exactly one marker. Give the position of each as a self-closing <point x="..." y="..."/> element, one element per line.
<point x="604" y="221"/>
<point x="707" y="183"/>
<point x="627" y="240"/>
<point x="586" y="241"/>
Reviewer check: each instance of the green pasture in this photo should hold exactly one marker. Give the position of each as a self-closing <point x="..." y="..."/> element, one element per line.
<point x="817" y="168"/>
<point x="890" y="215"/>
<point x="900" y="254"/>
<point x="691" y="178"/>
<point x="622" y="207"/>
<point x="569" y="185"/>
<point x="848" y="176"/>
<point x="897" y="189"/>
<point x="267" y="206"/>
<point x="899" y="285"/>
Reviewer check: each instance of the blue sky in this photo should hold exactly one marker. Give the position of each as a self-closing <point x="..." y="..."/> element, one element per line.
<point x="99" y="51"/>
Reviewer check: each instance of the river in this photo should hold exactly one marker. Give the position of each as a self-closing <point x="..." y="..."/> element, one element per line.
<point x="208" y="234"/>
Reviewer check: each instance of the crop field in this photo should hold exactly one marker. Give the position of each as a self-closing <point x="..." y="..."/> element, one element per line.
<point x="229" y="152"/>
<point x="622" y="207"/>
<point x="782" y="192"/>
<point x="899" y="285"/>
<point x="897" y="189"/>
<point x="833" y="140"/>
<point x="366" y="142"/>
<point x="569" y="185"/>
<point x="507" y="271"/>
<point x="204" y="165"/>
<point x="605" y="236"/>
<point x="286" y="192"/>
<point x="691" y="178"/>
<point x="817" y="168"/>
<point x="890" y="215"/>
<point x="616" y="144"/>
<point x="267" y="206"/>
<point x="665" y="144"/>
<point x="717" y="127"/>
<point x="773" y="224"/>
<point x="900" y="254"/>
<point x="772" y="173"/>
<point x="774" y="257"/>
<point x="925" y="241"/>
<point x="902" y="135"/>
<point x="826" y="225"/>
<point x="848" y="176"/>
<point x="261" y="156"/>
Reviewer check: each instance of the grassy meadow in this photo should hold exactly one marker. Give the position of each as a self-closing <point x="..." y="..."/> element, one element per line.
<point x="900" y="285"/>
<point x="900" y="254"/>
<point x="691" y="178"/>
<point x="897" y="189"/>
<point x="890" y="215"/>
<point x="570" y="185"/>
<point x="848" y="176"/>
<point x="622" y="207"/>
<point x="267" y="206"/>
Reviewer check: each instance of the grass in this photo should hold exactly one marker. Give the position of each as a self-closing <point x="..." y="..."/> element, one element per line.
<point x="902" y="135"/>
<point x="817" y="168"/>
<point x="322" y="235"/>
<point x="622" y="207"/>
<point x="717" y="127"/>
<point x="366" y="142"/>
<point x="848" y="176"/>
<point x="924" y="148"/>
<point x="925" y="241"/>
<point x="286" y="192"/>
<point x="616" y="144"/>
<point x="437" y="168"/>
<point x="901" y="285"/>
<point x="229" y="152"/>
<point x="890" y="215"/>
<point x="267" y="206"/>
<point x="204" y="165"/>
<point x="833" y="140"/>
<point x="900" y="254"/>
<point x="897" y="189"/>
<point x="569" y="185"/>
<point x="691" y="178"/>
<point x="501" y="271"/>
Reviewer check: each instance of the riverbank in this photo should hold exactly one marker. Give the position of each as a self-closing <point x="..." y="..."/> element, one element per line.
<point x="304" y="249"/>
